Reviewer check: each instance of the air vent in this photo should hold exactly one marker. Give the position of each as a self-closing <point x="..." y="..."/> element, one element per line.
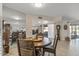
<point x="40" y="17"/>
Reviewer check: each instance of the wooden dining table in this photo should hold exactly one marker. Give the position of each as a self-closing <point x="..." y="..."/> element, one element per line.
<point x="40" y="42"/>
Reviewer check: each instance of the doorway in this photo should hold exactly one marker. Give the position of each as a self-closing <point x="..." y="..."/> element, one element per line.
<point x="74" y="31"/>
<point x="48" y="30"/>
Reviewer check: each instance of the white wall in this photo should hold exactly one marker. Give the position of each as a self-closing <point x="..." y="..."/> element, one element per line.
<point x="33" y="21"/>
<point x="61" y="22"/>
<point x="0" y="16"/>
<point x="9" y="15"/>
<point x="1" y="49"/>
<point x="65" y="33"/>
<point x="0" y="9"/>
<point x="29" y="26"/>
<point x="56" y="20"/>
<point x="51" y="31"/>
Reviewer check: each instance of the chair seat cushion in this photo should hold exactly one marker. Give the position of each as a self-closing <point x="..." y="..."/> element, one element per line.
<point x="49" y="49"/>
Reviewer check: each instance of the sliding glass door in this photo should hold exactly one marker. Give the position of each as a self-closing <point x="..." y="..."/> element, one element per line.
<point x="48" y="30"/>
<point x="74" y="31"/>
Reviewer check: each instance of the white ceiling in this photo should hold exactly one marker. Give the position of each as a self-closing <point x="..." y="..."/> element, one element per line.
<point x="70" y="11"/>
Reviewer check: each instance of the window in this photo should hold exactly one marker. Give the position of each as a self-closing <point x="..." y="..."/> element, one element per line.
<point x="74" y="30"/>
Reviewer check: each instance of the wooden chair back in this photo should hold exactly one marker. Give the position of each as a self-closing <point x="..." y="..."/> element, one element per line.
<point x="55" y="42"/>
<point x="25" y="47"/>
<point x="39" y="36"/>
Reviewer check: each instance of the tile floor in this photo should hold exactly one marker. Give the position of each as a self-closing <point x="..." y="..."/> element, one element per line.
<point x="64" y="48"/>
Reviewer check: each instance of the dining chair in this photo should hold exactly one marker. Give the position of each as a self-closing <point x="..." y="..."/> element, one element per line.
<point x="39" y="35"/>
<point x="51" y="48"/>
<point x="25" y="47"/>
<point x="40" y="38"/>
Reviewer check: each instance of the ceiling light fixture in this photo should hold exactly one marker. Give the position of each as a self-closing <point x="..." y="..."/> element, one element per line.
<point x="38" y="4"/>
<point x="39" y="22"/>
<point x="16" y="17"/>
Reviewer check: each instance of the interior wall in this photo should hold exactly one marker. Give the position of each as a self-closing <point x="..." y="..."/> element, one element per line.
<point x="1" y="48"/>
<point x="57" y="21"/>
<point x="0" y="9"/>
<point x="9" y="17"/>
<point x="51" y="31"/>
<point x="7" y="13"/>
<point x="63" y="33"/>
<point x="15" y="25"/>
<point x="29" y="26"/>
<point x="53" y="20"/>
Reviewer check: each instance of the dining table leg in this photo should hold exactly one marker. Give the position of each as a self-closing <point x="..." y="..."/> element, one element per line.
<point x="39" y="51"/>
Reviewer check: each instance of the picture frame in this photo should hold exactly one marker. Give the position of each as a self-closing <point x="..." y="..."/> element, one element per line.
<point x="65" y="27"/>
<point x="58" y="27"/>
